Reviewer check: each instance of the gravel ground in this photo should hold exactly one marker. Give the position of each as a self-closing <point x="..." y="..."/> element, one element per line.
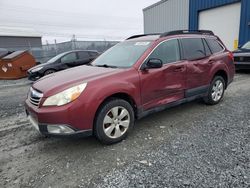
<point x="192" y="145"/>
<point x="14" y="83"/>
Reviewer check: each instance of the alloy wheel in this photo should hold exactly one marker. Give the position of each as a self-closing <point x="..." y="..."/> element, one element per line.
<point x="217" y="90"/>
<point x="116" y="122"/>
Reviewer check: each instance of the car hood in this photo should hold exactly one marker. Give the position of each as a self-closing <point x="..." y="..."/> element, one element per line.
<point x="40" y="65"/>
<point x="62" y="80"/>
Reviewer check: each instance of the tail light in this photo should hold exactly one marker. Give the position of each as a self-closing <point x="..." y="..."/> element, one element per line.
<point x="231" y="56"/>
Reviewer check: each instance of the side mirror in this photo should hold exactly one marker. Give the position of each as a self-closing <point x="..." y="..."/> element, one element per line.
<point x="154" y="63"/>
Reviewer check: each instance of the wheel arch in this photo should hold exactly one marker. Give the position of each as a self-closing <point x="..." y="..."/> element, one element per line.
<point x="223" y="74"/>
<point x="121" y="95"/>
<point x="49" y="69"/>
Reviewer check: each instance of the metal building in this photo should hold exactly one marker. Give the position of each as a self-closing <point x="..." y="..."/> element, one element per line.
<point x="229" y="19"/>
<point x="19" y="38"/>
<point x="166" y="15"/>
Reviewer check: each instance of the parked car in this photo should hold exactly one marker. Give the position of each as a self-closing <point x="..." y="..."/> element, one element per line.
<point x="61" y="62"/>
<point x="242" y="57"/>
<point x="142" y="75"/>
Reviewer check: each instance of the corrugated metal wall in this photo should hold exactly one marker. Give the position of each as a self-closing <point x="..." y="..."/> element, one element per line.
<point x="245" y="22"/>
<point x="166" y="15"/>
<point x="19" y="42"/>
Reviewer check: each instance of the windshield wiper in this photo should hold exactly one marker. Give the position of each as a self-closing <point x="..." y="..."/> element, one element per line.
<point x="107" y="66"/>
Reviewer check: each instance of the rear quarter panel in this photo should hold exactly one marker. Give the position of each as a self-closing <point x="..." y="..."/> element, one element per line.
<point x="222" y="63"/>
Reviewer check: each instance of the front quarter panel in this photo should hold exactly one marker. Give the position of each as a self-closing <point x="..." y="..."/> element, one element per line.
<point x="98" y="91"/>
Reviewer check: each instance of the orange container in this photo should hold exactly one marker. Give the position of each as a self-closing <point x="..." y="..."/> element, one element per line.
<point x="16" y="64"/>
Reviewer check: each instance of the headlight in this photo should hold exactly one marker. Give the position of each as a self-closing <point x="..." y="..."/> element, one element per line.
<point x="65" y="96"/>
<point x="36" y="69"/>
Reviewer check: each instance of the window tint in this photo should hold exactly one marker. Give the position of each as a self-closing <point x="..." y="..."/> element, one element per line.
<point x="207" y="50"/>
<point x="93" y="54"/>
<point x="83" y="55"/>
<point x="69" y="58"/>
<point x="167" y="52"/>
<point x="193" y="48"/>
<point x="214" y="45"/>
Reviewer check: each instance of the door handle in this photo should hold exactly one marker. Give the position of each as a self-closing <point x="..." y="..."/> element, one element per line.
<point x="179" y="69"/>
<point x="211" y="62"/>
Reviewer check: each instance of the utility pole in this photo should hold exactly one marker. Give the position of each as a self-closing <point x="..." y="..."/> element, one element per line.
<point x="56" y="47"/>
<point x="73" y="40"/>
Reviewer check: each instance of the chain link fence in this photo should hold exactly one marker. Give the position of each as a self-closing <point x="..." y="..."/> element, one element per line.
<point x="45" y="52"/>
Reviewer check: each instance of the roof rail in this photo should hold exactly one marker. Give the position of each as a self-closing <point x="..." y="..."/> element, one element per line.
<point x="180" y="32"/>
<point x="142" y="35"/>
<point x="177" y="32"/>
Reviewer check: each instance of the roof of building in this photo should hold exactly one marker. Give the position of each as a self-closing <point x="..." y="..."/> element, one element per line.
<point x="18" y="32"/>
<point x="154" y="5"/>
<point x="14" y="54"/>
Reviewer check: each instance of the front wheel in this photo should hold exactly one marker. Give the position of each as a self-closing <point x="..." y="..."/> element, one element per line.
<point x="50" y="71"/>
<point x="216" y="91"/>
<point x="114" y="120"/>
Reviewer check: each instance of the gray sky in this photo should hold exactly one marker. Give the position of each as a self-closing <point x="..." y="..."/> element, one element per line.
<point x="87" y="19"/>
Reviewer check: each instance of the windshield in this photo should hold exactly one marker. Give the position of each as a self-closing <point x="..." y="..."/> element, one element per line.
<point x="122" y="55"/>
<point x="56" y="58"/>
<point x="246" y="46"/>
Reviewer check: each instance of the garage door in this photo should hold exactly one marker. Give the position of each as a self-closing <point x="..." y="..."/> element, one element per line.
<point x="224" y="21"/>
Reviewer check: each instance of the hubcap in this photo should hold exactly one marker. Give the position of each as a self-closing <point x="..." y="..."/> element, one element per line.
<point x="217" y="90"/>
<point x="116" y="122"/>
<point x="49" y="72"/>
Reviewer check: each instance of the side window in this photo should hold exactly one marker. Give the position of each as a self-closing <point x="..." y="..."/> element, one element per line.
<point x="193" y="48"/>
<point x="207" y="49"/>
<point x="167" y="51"/>
<point x="214" y="45"/>
<point x="69" y="58"/>
<point x="83" y="55"/>
<point x="93" y="54"/>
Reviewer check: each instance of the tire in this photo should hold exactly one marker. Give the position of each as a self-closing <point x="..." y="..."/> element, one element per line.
<point x="49" y="71"/>
<point x="113" y="121"/>
<point x="216" y="91"/>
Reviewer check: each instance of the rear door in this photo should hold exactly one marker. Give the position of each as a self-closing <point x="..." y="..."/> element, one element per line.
<point x="93" y="55"/>
<point x="197" y="54"/>
<point x="83" y="58"/>
<point x="167" y="84"/>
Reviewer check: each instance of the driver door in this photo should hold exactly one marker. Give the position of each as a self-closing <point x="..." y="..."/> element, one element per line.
<point x="166" y="84"/>
<point x="68" y="60"/>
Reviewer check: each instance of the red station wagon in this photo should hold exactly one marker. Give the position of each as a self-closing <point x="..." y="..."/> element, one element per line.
<point x="142" y="75"/>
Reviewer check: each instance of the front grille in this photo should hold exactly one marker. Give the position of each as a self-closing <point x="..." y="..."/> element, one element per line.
<point x="242" y="59"/>
<point x="35" y="96"/>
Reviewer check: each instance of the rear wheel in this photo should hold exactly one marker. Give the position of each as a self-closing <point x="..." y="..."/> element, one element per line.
<point x="216" y="91"/>
<point x="114" y="121"/>
<point x="50" y="71"/>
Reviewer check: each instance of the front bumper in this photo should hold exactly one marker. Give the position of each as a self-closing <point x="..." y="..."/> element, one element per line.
<point x="44" y="129"/>
<point x="33" y="76"/>
<point x="69" y="116"/>
<point x="242" y="65"/>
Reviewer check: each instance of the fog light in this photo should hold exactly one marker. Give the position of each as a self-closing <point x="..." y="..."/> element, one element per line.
<point x="59" y="129"/>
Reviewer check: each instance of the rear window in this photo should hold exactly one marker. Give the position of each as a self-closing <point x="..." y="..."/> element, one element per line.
<point x="214" y="45"/>
<point x="193" y="48"/>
